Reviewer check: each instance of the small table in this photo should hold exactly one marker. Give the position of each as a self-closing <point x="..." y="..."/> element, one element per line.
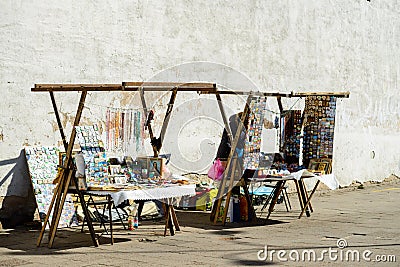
<point x="298" y="178"/>
<point x="164" y="192"/>
<point x="276" y="190"/>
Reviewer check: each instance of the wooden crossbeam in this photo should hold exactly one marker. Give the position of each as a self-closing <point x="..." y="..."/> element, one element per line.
<point x="75" y="87"/>
<point x="203" y="88"/>
<point x="126" y="86"/>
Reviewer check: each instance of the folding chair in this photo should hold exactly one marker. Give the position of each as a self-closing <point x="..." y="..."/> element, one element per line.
<point x="264" y="194"/>
<point x="106" y="204"/>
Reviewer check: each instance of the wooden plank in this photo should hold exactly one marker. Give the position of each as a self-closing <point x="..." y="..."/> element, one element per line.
<point x="135" y="86"/>
<point x="336" y="94"/>
<point x="169" y="84"/>
<point x="204" y="88"/>
<point x="290" y="94"/>
<point x="76" y="87"/>
<point x="124" y="89"/>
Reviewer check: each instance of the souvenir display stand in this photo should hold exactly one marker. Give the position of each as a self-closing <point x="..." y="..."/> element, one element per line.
<point x="66" y="173"/>
<point x="322" y="112"/>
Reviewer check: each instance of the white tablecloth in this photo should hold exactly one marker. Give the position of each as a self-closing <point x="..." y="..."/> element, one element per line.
<point x="169" y="191"/>
<point x="328" y="179"/>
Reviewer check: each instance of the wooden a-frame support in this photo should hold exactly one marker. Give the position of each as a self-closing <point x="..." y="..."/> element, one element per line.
<point x="233" y="169"/>
<point x="66" y="175"/>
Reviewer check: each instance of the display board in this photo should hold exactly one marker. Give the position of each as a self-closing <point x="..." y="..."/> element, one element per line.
<point x="252" y="148"/>
<point x="291" y="123"/>
<point x="42" y="164"/>
<point x="319" y="125"/>
<point x="92" y="147"/>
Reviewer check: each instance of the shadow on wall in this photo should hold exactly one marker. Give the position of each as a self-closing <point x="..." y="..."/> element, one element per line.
<point x="18" y="203"/>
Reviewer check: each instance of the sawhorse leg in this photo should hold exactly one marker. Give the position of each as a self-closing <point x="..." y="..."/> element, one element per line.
<point x="171" y="220"/>
<point x="309" y="199"/>
<point x="278" y="189"/>
<point x="302" y="197"/>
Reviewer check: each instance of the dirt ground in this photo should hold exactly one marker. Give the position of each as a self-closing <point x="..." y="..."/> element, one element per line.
<point x="356" y="225"/>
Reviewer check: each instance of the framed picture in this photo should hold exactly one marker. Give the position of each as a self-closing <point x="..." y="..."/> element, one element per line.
<point x="155" y="167"/>
<point x="142" y="164"/>
<point x="313" y="165"/>
<point x="320" y="166"/>
<point x="151" y="167"/>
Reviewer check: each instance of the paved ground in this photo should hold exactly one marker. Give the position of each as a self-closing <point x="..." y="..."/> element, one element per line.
<point x="366" y="218"/>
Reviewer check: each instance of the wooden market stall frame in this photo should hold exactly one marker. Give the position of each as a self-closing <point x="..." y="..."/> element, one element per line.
<point x="67" y="171"/>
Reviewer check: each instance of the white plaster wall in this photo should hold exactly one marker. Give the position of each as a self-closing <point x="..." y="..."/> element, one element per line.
<point x="324" y="45"/>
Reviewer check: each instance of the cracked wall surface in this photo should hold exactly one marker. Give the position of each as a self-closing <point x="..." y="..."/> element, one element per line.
<point x="327" y="45"/>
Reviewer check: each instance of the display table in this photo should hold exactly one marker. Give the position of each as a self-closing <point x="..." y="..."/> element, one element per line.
<point x="166" y="192"/>
<point x="298" y="177"/>
<point x="152" y="193"/>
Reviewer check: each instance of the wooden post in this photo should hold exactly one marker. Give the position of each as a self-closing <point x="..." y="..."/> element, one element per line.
<point x="224" y="118"/>
<point x="303" y="197"/>
<point x="277" y="192"/>
<point x="60" y="128"/>
<point x="214" y="214"/>
<point x="298" y="194"/>
<point x="109" y="206"/>
<point x="175" y="219"/>
<point x="65" y="179"/>
<point x="148" y="125"/>
<point x="306" y="194"/>
<point x="231" y="169"/>
<point x="168" y="115"/>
